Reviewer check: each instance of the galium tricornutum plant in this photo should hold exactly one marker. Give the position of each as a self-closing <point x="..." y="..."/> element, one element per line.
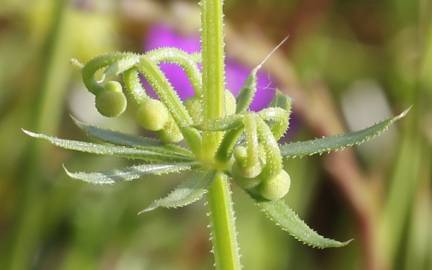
<point x="213" y="134"/>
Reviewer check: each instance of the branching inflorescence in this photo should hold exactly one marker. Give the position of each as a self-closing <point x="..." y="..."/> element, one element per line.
<point x="248" y="153"/>
<point x="247" y="150"/>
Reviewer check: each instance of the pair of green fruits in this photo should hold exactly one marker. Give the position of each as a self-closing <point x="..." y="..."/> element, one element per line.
<point x="253" y="179"/>
<point x="151" y="114"/>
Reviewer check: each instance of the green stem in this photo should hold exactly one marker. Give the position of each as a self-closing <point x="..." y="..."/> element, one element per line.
<point x="213" y="73"/>
<point x="224" y="240"/>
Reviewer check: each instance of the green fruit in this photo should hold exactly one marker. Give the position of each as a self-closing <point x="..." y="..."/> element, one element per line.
<point x="152" y="115"/>
<point x="111" y="101"/>
<point x="171" y="132"/>
<point x="276" y="187"/>
<point x="230" y="103"/>
<point x="240" y="156"/>
<point x="244" y="182"/>
<point x="194" y="107"/>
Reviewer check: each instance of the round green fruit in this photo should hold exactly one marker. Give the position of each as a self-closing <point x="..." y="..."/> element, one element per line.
<point x="152" y="115"/>
<point x="111" y="101"/>
<point x="276" y="187"/>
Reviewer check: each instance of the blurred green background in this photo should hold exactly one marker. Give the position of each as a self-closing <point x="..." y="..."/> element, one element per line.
<point x="347" y="64"/>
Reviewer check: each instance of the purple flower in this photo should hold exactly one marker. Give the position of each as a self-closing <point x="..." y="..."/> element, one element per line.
<point x="164" y="36"/>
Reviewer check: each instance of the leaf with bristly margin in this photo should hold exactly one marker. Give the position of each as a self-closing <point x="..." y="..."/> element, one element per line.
<point x="281" y="101"/>
<point x="188" y="192"/>
<point x="119" y="138"/>
<point x="338" y="142"/>
<point x="247" y="93"/>
<point x="284" y="217"/>
<point x="128" y="173"/>
<point x="114" y="150"/>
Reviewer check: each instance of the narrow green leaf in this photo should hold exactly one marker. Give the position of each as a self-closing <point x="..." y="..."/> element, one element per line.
<point x="278" y="118"/>
<point x="119" y="138"/>
<point x="339" y="142"/>
<point x="128" y="173"/>
<point x="228" y="143"/>
<point x="252" y="159"/>
<point x="186" y="193"/>
<point x="288" y="220"/>
<point x="114" y="150"/>
<point x="193" y="139"/>
<point x="273" y="156"/>
<point x="247" y="93"/>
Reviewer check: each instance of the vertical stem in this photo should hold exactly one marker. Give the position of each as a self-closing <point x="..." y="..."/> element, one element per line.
<point x="213" y="68"/>
<point x="224" y="240"/>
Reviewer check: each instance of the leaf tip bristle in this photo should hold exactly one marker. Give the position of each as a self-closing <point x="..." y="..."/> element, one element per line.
<point x="404" y="113"/>
<point x="146" y="210"/>
<point x="347" y="242"/>
<point x="75" y="62"/>
<point x="270" y="54"/>
<point x="29" y="133"/>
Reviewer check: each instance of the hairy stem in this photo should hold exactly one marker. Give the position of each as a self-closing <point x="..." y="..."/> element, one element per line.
<point x="224" y="240"/>
<point x="213" y="68"/>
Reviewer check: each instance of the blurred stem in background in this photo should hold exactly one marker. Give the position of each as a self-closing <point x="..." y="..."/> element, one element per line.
<point x="407" y="198"/>
<point x="48" y="105"/>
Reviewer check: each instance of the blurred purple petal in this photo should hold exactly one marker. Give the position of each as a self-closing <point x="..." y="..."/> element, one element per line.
<point x="160" y="35"/>
<point x="236" y="73"/>
<point x="236" y="76"/>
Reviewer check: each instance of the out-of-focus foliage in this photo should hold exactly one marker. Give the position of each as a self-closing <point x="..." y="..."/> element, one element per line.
<point x="48" y="221"/>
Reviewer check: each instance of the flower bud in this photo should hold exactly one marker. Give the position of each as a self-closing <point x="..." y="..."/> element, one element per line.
<point x="111" y="101"/>
<point x="194" y="107"/>
<point x="240" y="156"/>
<point x="276" y="187"/>
<point x="171" y="132"/>
<point x="244" y="182"/>
<point x="152" y="114"/>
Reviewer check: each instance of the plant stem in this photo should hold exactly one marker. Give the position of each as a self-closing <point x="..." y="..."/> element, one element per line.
<point x="224" y="238"/>
<point x="213" y="68"/>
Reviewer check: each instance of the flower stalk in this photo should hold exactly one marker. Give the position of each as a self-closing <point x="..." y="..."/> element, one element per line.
<point x="224" y="240"/>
